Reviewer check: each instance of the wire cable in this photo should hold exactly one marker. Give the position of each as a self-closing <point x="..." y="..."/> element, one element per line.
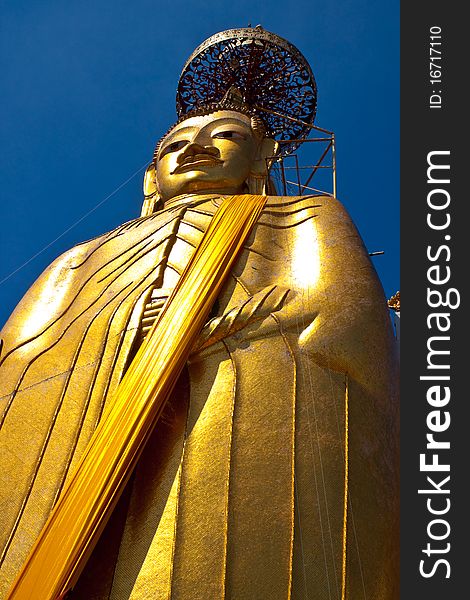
<point x="92" y="210"/>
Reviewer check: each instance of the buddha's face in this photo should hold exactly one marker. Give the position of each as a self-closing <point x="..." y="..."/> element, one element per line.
<point x="210" y="153"/>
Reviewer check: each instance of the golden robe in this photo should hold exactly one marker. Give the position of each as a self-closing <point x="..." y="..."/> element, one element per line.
<point x="272" y="473"/>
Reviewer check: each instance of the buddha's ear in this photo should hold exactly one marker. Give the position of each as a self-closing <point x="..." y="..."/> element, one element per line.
<point x="268" y="149"/>
<point x="151" y="196"/>
<point x="266" y="152"/>
<point x="258" y="179"/>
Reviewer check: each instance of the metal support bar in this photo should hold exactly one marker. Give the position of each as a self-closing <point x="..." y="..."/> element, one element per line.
<point x="293" y="119"/>
<point x="325" y="152"/>
<point x="333" y="154"/>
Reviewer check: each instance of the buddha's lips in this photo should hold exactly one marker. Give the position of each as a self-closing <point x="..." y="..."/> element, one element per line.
<point x="198" y="160"/>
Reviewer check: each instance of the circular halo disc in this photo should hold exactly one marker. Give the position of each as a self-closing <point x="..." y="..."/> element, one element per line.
<point x="273" y="77"/>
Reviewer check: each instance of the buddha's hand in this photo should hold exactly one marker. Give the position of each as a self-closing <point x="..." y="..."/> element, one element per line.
<point x="256" y="308"/>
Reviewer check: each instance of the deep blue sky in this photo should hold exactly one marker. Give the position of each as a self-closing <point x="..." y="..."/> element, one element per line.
<point x="88" y="86"/>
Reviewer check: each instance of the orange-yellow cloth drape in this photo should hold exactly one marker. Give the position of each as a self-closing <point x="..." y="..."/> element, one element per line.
<point x="69" y="535"/>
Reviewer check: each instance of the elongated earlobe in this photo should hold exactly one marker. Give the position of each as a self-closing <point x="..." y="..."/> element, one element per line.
<point x="258" y="180"/>
<point x="152" y="201"/>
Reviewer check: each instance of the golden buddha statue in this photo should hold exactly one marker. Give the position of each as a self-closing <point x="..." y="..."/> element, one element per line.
<point x="272" y="472"/>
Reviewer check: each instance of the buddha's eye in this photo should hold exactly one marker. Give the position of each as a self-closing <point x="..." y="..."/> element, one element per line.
<point x="173" y="147"/>
<point x="228" y="135"/>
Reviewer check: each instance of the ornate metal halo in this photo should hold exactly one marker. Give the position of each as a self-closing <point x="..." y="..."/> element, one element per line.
<point x="273" y="77"/>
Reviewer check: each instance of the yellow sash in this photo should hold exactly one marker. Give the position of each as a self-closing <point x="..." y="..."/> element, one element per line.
<point x="74" y="525"/>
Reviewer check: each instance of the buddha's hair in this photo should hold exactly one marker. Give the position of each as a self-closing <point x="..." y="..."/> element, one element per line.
<point x="257" y="125"/>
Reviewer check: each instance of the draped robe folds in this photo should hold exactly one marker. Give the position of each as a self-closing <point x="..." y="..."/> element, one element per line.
<point x="272" y="472"/>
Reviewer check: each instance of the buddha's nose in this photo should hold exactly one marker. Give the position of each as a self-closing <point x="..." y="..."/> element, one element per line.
<point x="197" y="148"/>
